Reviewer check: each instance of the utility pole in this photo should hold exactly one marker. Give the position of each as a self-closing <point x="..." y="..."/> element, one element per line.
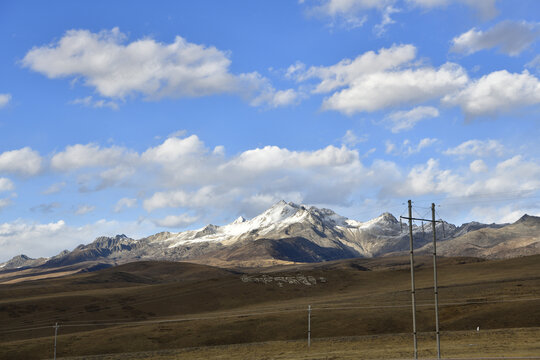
<point x="413" y="291"/>
<point x="309" y="327"/>
<point x="55" y="334"/>
<point x="433" y="223"/>
<point x="435" y="281"/>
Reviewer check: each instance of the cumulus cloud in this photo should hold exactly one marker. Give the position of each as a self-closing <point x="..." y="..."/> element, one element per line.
<point x="346" y="71"/>
<point x="510" y="37"/>
<point x="389" y="89"/>
<point x="125" y="203"/>
<point x="405" y="120"/>
<point x="430" y="179"/>
<point x="375" y="81"/>
<point x="176" y="221"/>
<point x="6" y="184"/>
<point x="477" y="148"/>
<point x="478" y="166"/>
<point x="24" y="161"/>
<point x="205" y="196"/>
<point x="495" y="93"/>
<point x="117" y="69"/>
<point x="4" y="100"/>
<point x="90" y="155"/>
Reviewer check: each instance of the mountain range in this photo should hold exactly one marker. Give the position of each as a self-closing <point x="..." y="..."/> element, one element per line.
<point x="288" y="233"/>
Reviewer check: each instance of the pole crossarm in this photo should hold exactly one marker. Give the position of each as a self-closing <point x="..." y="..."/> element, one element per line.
<point x="417" y="219"/>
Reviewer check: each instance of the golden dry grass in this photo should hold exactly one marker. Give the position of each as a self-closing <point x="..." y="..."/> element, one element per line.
<point x="217" y="309"/>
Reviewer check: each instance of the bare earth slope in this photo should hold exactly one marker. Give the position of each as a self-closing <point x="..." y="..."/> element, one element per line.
<point x="148" y="306"/>
<point x="518" y="239"/>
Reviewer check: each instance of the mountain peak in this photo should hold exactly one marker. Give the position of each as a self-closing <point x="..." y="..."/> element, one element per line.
<point x="386" y="216"/>
<point x="239" y="220"/>
<point x="528" y="219"/>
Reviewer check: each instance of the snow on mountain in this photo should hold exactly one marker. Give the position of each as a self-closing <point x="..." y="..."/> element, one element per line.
<point x="285" y="232"/>
<point x="322" y="226"/>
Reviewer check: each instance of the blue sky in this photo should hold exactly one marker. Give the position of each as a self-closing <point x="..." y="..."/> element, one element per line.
<point x="131" y="117"/>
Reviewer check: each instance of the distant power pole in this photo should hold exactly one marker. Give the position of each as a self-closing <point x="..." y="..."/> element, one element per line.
<point x="309" y="327"/>
<point x="55" y="334"/>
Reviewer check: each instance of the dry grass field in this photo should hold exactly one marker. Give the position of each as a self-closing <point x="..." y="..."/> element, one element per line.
<point x="156" y="310"/>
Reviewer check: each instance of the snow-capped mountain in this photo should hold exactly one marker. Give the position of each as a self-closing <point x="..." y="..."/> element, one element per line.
<point x="284" y="233"/>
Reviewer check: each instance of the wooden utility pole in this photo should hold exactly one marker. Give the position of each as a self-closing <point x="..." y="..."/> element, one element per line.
<point x="413" y="291"/>
<point x="433" y="222"/>
<point x="309" y="327"/>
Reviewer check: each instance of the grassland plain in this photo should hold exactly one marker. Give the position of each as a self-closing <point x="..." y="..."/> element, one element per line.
<point x="196" y="311"/>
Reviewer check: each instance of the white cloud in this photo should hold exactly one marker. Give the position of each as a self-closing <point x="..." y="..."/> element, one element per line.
<point x="89" y="101"/>
<point x="375" y="81"/>
<point x="424" y="143"/>
<point x="347" y="13"/>
<point x="35" y="239"/>
<point x="477" y="148"/>
<point x="24" y="161"/>
<point x="497" y="92"/>
<point x="390" y="147"/>
<point x="347" y="71"/>
<point x="510" y="37"/>
<point x="4" y="202"/>
<point x="176" y="221"/>
<point x="274" y="98"/>
<point x="407" y="148"/>
<point x="478" y="166"/>
<point x="205" y="196"/>
<point x="90" y="155"/>
<point x="125" y="203"/>
<point x="6" y="184"/>
<point x="351" y="139"/>
<point x="84" y="209"/>
<point x="4" y="100"/>
<point x="502" y="214"/>
<point x="54" y="188"/>
<point x="485" y="8"/>
<point x="386" y="20"/>
<point x="430" y="179"/>
<point x="534" y="64"/>
<point x="116" y="69"/>
<point x="389" y="89"/>
<point x="405" y="120"/>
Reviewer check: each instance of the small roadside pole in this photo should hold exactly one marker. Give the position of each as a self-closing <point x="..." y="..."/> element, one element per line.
<point x="309" y="327"/>
<point x="55" y="334"/>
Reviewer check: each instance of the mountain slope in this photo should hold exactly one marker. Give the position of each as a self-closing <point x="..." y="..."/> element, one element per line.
<point x="289" y="233"/>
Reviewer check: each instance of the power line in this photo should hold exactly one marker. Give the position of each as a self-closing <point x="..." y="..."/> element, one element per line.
<point x="321" y="307"/>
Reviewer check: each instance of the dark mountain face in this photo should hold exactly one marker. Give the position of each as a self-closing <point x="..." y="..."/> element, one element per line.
<point x="102" y="247"/>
